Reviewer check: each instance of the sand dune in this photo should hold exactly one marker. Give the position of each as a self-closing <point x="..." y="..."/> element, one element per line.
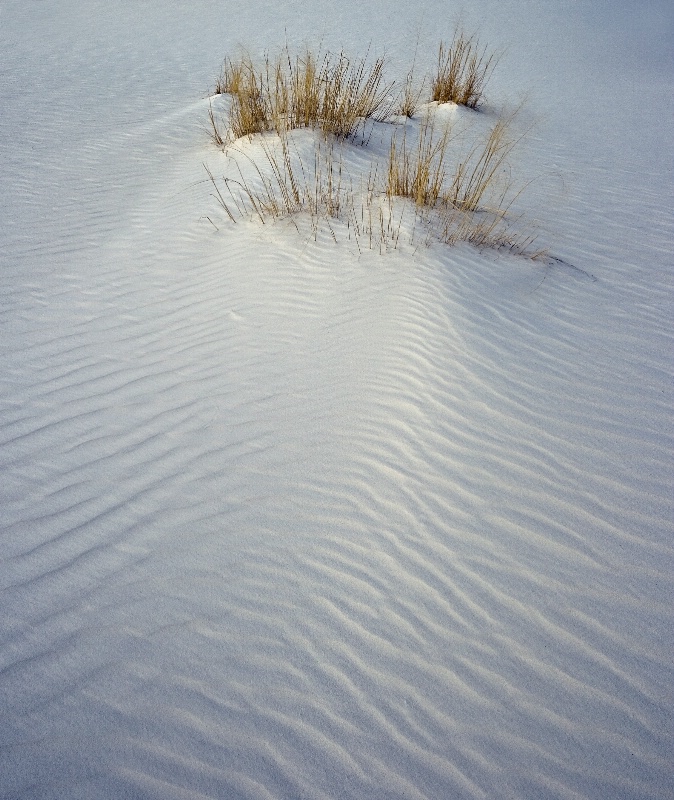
<point x="286" y="519"/>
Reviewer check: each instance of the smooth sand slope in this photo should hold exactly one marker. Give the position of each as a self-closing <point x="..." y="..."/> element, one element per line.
<point x="283" y="519"/>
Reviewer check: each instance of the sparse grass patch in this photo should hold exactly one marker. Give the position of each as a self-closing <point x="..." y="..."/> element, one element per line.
<point x="284" y="186"/>
<point x="463" y="70"/>
<point x="480" y="174"/>
<point x="457" y="193"/>
<point x="487" y="230"/>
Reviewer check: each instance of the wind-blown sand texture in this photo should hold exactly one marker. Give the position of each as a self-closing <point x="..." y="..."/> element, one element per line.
<point x="284" y="520"/>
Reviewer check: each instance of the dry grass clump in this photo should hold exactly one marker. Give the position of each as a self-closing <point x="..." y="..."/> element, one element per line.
<point x="411" y="93"/>
<point x="331" y="93"/>
<point x="479" y="175"/>
<point x="463" y="71"/>
<point x="418" y="172"/>
<point x="337" y="96"/>
<point x="421" y="172"/>
<point x="467" y="201"/>
<point x="229" y="80"/>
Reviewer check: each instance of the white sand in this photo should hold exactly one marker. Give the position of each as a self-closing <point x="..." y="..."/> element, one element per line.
<point x="283" y="520"/>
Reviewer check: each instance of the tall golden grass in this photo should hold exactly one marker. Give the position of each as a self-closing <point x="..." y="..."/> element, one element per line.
<point x="468" y="198"/>
<point x="422" y="172"/>
<point x="332" y="93"/>
<point x="418" y="171"/>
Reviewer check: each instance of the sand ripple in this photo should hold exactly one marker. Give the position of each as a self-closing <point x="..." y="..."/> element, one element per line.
<point x="282" y="521"/>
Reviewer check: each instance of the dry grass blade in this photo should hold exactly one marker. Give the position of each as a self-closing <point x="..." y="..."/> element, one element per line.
<point x="215" y="132"/>
<point x="218" y="196"/>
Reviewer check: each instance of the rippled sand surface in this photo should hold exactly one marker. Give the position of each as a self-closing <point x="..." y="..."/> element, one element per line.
<point x="280" y="519"/>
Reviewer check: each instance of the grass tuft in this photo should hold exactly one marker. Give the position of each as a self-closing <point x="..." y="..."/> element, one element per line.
<point x="331" y="93"/>
<point x="418" y="172"/>
<point x="410" y="95"/>
<point x="479" y="174"/>
<point x="468" y="201"/>
<point x="229" y="80"/>
<point x="463" y="70"/>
